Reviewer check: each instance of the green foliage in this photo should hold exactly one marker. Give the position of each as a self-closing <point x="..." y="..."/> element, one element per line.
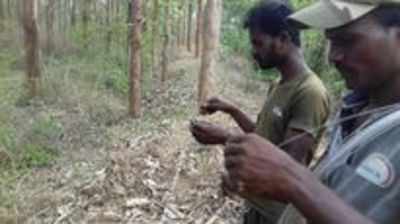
<point x="36" y="156"/>
<point x="235" y="41"/>
<point x="36" y="147"/>
<point x="45" y="130"/>
<point x="234" y="38"/>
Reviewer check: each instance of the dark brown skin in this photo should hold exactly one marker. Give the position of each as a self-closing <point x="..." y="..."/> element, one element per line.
<point x="215" y="104"/>
<point x="269" y="52"/>
<point x="208" y="134"/>
<point x="366" y="54"/>
<point x="258" y="169"/>
<point x="300" y="148"/>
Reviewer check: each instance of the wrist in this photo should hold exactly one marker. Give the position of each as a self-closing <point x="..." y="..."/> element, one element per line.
<point x="298" y="184"/>
<point x="230" y="109"/>
<point x="226" y="135"/>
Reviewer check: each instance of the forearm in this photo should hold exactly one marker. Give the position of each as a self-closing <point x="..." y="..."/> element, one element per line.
<point x="299" y="145"/>
<point x="300" y="154"/>
<point x="244" y="121"/>
<point x="319" y="204"/>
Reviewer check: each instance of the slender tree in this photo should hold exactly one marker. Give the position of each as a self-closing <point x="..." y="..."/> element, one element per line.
<point x="178" y="22"/>
<point x="184" y="28"/>
<point x="135" y="60"/>
<point x="155" y="33"/>
<point x="211" y="34"/>
<point x="2" y="13"/>
<point x="50" y="8"/>
<point x="199" y="27"/>
<point x="108" y="21"/>
<point x="31" y="42"/>
<point x="73" y="13"/>
<point x="165" y="59"/>
<point x="85" y="21"/>
<point x="189" y="26"/>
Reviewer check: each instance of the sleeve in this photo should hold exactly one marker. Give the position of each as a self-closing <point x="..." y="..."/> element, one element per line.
<point x="309" y="111"/>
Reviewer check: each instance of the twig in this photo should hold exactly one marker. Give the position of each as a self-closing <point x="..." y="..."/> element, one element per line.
<point x="217" y="214"/>
<point x="173" y="184"/>
<point x="38" y="213"/>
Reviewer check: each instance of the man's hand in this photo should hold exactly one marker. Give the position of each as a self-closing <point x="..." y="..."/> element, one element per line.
<point x="259" y="169"/>
<point x="208" y="133"/>
<point x="214" y="105"/>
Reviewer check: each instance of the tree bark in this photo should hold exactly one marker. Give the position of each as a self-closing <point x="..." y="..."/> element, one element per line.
<point x="212" y="23"/>
<point x="184" y="23"/>
<point x="189" y="27"/>
<point x="179" y="28"/>
<point x="2" y="14"/>
<point x="73" y="13"/>
<point x="155" y="33"/>
<point x="165" y="59"/>
<point x="9" y="9"/>
<point x="129" y="24"/>
<point x="135" y="61"/>
<point x="50" y="8"/>
<point x="144" y="13"/>
<point x="85" y="22"/>
<point x="109" y="30"/>
<point x="31" y="42"/>
<point x="199" y="27"/>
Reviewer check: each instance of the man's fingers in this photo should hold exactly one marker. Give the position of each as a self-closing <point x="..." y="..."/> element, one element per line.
<point x="233" y="162"/>
<point x="233" y="149"/>
<point x="228" y="185"/>
<point x="236" y="138"/>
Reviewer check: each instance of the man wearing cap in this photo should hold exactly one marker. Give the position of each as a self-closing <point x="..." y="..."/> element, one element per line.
<point x="357" y="182"/>
<point x="296" y="108"/>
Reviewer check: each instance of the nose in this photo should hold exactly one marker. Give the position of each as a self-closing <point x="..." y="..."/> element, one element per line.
<point x="335" y="55"/>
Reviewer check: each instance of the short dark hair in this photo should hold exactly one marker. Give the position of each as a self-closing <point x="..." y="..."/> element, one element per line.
<point x="388" y="15"/>
<point x="271" y="17"/>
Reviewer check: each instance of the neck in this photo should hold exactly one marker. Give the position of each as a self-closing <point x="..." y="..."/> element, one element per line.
<point x="293" y="66"/>
<point x="386" y="95"/>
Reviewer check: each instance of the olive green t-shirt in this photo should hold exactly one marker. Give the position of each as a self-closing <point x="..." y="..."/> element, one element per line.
<point x="301" y="104"/>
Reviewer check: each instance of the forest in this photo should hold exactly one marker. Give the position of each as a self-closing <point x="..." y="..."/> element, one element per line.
<point x="96" y="97"/>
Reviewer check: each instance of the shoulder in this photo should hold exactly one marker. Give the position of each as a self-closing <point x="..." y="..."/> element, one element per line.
<point x="312" y="83"/>
<point x="312" y="89"/>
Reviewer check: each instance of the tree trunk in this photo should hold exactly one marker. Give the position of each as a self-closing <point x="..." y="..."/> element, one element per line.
<point x="189" y="27"/>
<point x="129" y="24"/>
<point x="50" y="26"/>
<point x="73" y="13"/>
<point x="109" y="30"/>
<point x="64" y="9"/>
<point x="144" y="13"/>
<point x="179" y="29"/>
<point x="9" y="9"/>
<point x="165" y="59"/>
<point x="155" y="33"/>
<point x="135" y="61"/>
<point x="199" y="27"/>
<point x="181" y="24"/>
<point x="85" y="22"/>
<point x="2" y="14"/>
<point x="212" y="23"/>
<point x="31" y="39"/>
<point x="184" y="24"/>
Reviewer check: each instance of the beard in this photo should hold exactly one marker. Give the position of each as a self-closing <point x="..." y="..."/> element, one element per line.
<point x="264" y="62"/>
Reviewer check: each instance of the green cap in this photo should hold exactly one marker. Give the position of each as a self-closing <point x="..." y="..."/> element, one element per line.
<point x="328" y="14"/>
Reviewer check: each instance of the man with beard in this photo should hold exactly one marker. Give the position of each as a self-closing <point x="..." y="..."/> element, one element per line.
<point x="296" y="108"/>
<point x="358" y="180"/>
